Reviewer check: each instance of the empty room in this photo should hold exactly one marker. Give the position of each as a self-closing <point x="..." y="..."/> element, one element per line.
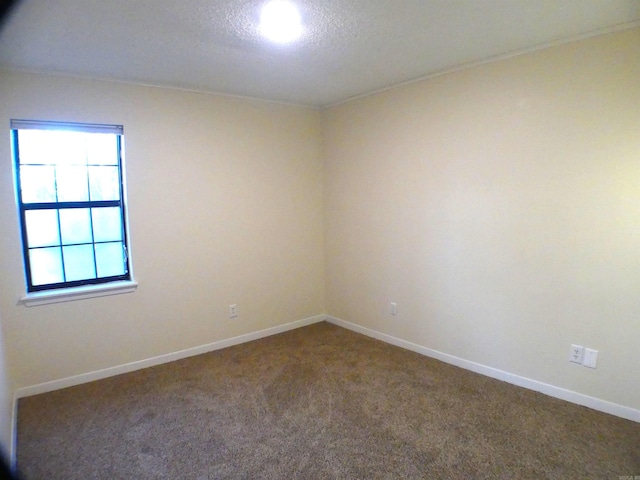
<point x="320" y="239"/>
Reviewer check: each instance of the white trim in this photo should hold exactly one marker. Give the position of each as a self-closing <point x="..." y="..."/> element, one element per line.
<point x="496" y="58"/>
<point x="551" y="390"/>
<point x="160" y="359"/>
<point x="23" y="124"/>
<point x="78" y="293"/>
<point x="163" y="86"/>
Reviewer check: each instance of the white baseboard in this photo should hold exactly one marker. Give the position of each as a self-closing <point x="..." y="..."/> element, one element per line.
<point x="551" y="390"/>
<point x="149" y="362"/>
<point x="169" y="357"/>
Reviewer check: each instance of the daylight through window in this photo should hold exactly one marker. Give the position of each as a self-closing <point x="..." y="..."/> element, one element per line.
<point x="69" y="181"/>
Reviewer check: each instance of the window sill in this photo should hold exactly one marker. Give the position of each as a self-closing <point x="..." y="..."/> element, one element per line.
<point x="77" y="293"/>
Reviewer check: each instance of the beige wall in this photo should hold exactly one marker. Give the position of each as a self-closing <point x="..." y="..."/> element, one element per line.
<point x="225" y="207"/>
<point x="499" y="206"/>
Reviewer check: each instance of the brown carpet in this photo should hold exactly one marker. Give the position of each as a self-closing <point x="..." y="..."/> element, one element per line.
<point x="318" y="402"/>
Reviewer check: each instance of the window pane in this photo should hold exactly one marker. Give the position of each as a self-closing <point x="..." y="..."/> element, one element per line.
<point x="72" y="184"/>
<point x="37" y="184"/>
<point x="107" y="224"/>
<point x="52" y="147"/>
<point x="46" y="266"/>
<point x="42" y="228"/>
<point x="110" y="259"/>
<point x="36" y="146"/>
<point x="102" y="149"/>
<point x="75" y="226"/>
<point x="78" y="262"/>
<point x="104" y="183"/>
<point x="60" y="167"/>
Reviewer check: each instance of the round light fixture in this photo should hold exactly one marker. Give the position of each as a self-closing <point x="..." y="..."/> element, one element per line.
<point x="280" y="21"/>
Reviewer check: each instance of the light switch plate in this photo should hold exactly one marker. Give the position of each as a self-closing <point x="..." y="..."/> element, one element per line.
<point x="590" y="358"/>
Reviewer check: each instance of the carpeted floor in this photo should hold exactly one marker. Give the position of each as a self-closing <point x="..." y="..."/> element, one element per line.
<point x="318" y="402"/>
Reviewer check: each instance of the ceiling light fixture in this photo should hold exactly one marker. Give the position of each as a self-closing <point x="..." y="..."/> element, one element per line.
<point x="280" y="21"/>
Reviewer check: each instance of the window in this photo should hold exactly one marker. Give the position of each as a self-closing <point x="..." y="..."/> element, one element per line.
<point x="69" y="185"/>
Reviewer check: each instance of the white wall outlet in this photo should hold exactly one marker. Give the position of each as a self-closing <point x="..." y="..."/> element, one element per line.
<point x="576" y="354"/>
<point x="393" y="308"/>
<point x="590" y="358"/>
<point x="233" y="311"/>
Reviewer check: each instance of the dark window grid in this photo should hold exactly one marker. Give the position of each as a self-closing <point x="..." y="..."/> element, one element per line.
<point x="55" y="178"/>
<point x="93" y="241"/>
<point x="56" y="245"/>
<point x="68" y="205"/>
<point x="98" y="279"/>
<point x="78" y="283"/>
<point x="125" y="241"/>
<point x="61" y="246"/>
<point x="61" y="205"/>
<point x="23" y="222"/>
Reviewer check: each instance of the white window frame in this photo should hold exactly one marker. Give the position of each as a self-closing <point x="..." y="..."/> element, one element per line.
<point x="80" y="289"/>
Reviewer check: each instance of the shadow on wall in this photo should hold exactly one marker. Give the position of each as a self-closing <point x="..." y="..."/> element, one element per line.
<point x="5" y="9"/>
<point x="5" y="471"/>
<point x="5" y="468"/>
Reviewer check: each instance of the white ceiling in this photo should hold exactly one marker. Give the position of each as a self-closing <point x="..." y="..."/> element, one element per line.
<point x="349" y="47"/>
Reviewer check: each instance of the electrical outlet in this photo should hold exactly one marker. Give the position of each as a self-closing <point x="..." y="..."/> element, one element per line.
<point x="233" y="311"/>
<point x="393" y="308"/>
<point x="576" y="354"/>
<point x="590" y="358"/>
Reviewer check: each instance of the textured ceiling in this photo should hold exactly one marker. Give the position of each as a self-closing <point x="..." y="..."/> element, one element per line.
<point x="349" y="47"/>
